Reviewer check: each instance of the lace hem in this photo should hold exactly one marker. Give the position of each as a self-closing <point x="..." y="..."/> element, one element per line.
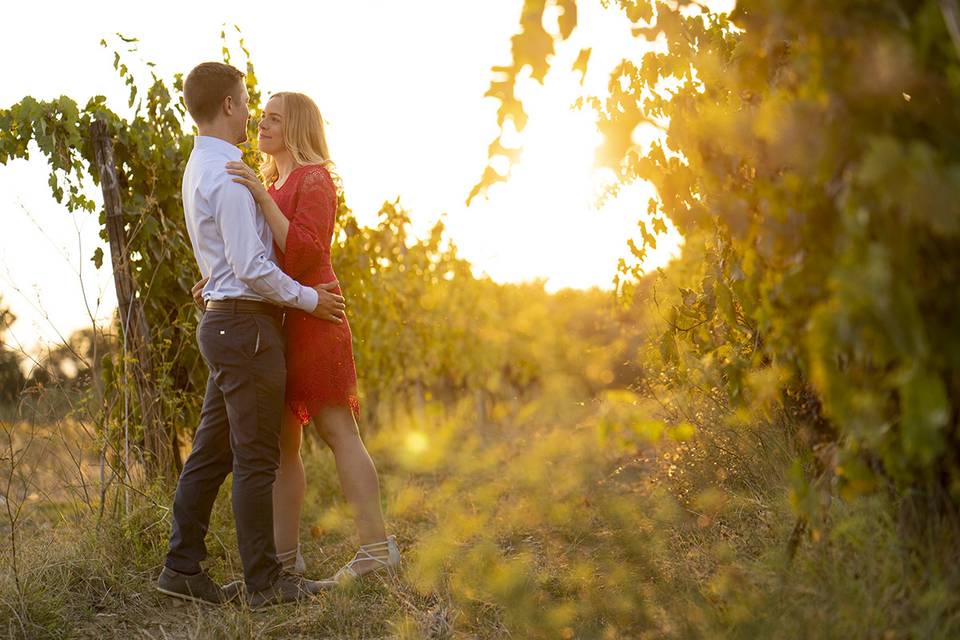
<point x="304" y="414"/>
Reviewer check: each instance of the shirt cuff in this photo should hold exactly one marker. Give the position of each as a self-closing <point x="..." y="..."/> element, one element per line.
<point x="308" y="298"/>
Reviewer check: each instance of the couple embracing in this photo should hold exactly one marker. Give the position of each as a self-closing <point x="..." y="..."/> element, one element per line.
<point x="277" y="344"/>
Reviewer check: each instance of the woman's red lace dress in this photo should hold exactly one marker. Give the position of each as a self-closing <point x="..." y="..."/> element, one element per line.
<point x="320" y="368"/>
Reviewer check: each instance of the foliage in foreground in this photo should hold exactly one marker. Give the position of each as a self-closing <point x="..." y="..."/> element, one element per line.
<point x="812" y="149"/>
<point x="538" y="530"/>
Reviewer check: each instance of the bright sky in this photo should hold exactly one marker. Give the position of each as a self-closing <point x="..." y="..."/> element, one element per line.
<point x="401" y="86"/>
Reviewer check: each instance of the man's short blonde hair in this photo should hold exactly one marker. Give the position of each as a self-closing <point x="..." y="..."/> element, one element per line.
<point x="206" y="86"/>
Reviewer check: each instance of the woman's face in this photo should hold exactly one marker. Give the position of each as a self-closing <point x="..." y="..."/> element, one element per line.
<point x="270" y="139"/>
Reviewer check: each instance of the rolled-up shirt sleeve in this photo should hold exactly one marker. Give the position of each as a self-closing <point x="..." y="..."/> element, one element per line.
<point x="234" y="212"/>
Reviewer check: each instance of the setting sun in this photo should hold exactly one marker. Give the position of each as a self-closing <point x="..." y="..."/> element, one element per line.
<point x="546" y="220"/>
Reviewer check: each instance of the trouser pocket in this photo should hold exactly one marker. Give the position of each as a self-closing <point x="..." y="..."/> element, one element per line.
<point x="228" y="338"/>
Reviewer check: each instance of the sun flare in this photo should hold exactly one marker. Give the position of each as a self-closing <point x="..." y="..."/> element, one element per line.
<point x="548" y="220"/>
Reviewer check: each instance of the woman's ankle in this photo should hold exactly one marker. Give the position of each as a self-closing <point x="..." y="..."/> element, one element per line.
<point x="288" y="558"/>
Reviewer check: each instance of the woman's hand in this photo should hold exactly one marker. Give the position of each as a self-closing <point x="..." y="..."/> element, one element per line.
<point x="197" y="291"/>
<point x="248" y="178"/>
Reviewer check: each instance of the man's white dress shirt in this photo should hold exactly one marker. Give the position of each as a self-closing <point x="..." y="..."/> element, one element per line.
<point x="231" y="241"/>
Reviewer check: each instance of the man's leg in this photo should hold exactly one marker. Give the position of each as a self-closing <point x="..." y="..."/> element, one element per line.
<point x="253" y="384"/>
<point x="209" y="463"/>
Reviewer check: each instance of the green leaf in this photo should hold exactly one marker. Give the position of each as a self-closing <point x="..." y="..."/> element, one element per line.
<point x="668" y="347"/>
<point x="925" y="411"/>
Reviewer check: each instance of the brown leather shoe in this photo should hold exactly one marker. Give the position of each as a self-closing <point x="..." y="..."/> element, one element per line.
<point x="198" y="587"/>
<point x="289" y="587"/>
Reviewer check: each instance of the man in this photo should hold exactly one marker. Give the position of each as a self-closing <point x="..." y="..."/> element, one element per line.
<point x="241" y="340"/>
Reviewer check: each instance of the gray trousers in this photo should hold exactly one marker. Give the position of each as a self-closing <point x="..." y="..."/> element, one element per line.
<point x="239" y="432"/>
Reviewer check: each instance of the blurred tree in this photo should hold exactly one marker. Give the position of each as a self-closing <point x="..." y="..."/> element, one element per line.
<point x="72" y="363"/>
<point x="11" y="376"/>
<point x="813" y="150"/>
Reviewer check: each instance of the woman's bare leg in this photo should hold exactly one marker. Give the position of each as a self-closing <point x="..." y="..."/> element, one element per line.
<point x="358" y="475"/>
<point x="289" y="487"/>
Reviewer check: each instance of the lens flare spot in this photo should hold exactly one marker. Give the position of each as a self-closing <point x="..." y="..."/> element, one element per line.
<point x="416" y="442"/>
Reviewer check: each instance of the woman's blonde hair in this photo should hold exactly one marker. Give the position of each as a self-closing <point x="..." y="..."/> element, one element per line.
<point x="303" y="135"/>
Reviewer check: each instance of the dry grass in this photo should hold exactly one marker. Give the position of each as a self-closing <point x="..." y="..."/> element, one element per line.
<point x="532" y="530"/>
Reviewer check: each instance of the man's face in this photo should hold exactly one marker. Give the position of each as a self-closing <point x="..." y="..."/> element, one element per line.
<point x="241" y="113"/>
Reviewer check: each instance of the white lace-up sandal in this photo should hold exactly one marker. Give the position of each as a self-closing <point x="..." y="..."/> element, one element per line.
<point x="386" y="554"/>
<point x="292" y="561"/>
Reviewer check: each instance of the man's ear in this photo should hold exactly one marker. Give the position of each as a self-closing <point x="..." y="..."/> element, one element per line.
<point x="228" y="105"/>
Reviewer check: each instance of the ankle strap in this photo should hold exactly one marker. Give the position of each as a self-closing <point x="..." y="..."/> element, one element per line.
<point x="375" y="545"/>
<point x="287" y="555"/>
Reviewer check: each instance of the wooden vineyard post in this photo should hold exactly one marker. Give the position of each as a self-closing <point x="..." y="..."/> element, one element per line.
<point x="158" y="445"/>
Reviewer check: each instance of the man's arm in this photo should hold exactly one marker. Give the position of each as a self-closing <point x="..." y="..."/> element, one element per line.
<point x="235" y="214"/>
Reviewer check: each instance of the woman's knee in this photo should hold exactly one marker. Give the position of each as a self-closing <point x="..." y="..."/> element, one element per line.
<point x="337" y="426"/>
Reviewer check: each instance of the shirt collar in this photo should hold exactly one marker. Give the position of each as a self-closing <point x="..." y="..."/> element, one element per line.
<point x="217" y="145"/>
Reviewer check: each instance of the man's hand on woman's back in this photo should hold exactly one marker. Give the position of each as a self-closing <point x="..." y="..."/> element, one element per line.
<point x="330" y="306"/>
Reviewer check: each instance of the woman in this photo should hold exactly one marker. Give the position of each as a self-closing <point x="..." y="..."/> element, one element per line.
<point x="298" y="198"/>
